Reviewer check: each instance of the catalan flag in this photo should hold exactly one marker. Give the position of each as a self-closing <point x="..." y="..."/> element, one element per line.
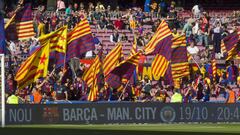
<point x="95" y="69"/>
<point x="80" y="40"/>
<point x="58" y="45"/>
<point x="34" y="67"/>
<point x="89" y="75"/>
<point x="214" y="68"/>
<point x="179" y="63"/>
<point x="229" y="45"/>
<point x="112" y="59"/>
<point x="160" y="45"/>
<point x="24" y="22"/>
<point x="2" y="36"/>
<point x="123" y="71"/>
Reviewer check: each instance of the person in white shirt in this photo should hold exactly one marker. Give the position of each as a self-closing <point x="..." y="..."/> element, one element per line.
<point x="192" y="49"/>
<point x="196" y="11"/>
<point x="115" y="37"/>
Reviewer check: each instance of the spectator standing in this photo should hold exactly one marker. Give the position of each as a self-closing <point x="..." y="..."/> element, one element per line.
<point x="147" y="6"/>
<point x="69" y="10"/>
<point x="233" y="73"/>
<point x="196" y="11"/>
<point x="176" y="97"/>
<point x="75" y="7"/>
<point x="162" y="8"/>
<point x="203" y="33"/>
<point x="96" y="40"/>
<point x="12" y="99"/>
<point x="231" y="95"/>
<point x="217" y="32"/>
<point x="187" y="29"/>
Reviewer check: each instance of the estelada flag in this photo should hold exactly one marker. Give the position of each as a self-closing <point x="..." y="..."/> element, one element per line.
<point x="57" y="41"/>
<point x="33" y="67"/>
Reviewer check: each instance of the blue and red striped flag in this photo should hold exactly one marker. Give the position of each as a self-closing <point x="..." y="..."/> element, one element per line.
<point x="179" y="61"/>
<point x="80" y="40"/>
<point x="123" y="71"/>
<point x="24" y="25"/>
<point x="160" y="45"/>
<point x="229" y="45"/>
<point x="22" y="28"/>
<point x="2" y="36"/>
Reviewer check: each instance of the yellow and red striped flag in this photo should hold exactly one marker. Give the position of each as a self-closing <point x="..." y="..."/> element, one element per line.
<point x="88" y="75"/>
<point x="33" y="67"/>
<point x="112" y="59"/>
<point x="214" y="68"/>
<point x="95" y="69"/>
<point x="57" y="41"/>
<point x="159" y="65"/>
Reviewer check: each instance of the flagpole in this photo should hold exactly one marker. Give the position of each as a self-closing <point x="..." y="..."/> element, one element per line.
<point x="119" y="99"/>
<point x="12" y="18"/>
<point x="196" y="63"/>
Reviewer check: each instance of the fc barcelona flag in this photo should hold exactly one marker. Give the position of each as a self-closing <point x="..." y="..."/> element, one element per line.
<point x="160" y="45"/>
<point x="24" y="23"/>
<point x="161" y="42"/>
<point x="80" y="40"/>
<point x="229" y="45"/>
<point x="179" y="62"/>
<point x="123" y="71"/>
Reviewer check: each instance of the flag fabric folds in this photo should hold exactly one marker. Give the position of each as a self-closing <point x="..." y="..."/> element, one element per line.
<point x="34" y="67"/>
<point x="179" y="62"/>
<point x="95" y="69"/>
<point x="2" y="36"/>
<point x="160" y="45"/>
<point x="80" y="40"/>
<point x="160" y="42"/>
<point x="89" y="74"/>
<point x="229" y="45"/>
<point x="24" y="22"/>
<point x="57" y="41"/>
<point x="112" y="59"/>
<point x="214" y="68"/>
<point x="123" y="71"/>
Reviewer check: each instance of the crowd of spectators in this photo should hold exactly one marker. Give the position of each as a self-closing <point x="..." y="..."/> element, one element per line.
<point x="203" y="33"/>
